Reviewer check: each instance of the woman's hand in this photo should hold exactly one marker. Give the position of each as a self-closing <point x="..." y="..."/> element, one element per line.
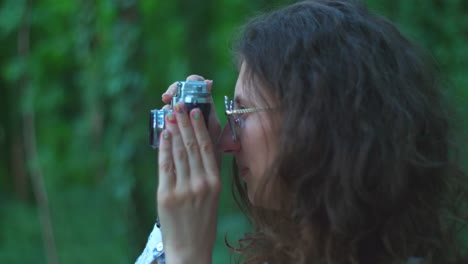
<point x="214" y="126"/>
<point x="189" y="187"/>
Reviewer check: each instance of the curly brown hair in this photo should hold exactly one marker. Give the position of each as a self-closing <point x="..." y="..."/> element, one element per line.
<point x="369" y="175"/>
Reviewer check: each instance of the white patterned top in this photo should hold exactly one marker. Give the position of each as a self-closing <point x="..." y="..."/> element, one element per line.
<point x="154" y="249"/>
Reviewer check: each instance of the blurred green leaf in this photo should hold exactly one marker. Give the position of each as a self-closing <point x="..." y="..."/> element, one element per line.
<point x="11" y="13"/>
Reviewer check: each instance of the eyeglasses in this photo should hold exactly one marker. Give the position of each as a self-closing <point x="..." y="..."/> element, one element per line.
<point x="234" y="118"/>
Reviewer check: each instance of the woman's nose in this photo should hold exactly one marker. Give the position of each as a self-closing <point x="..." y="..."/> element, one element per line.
<point x="226" y="144"/>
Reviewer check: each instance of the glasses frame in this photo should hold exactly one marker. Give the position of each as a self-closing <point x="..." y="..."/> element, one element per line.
<point x="232" y="120"/>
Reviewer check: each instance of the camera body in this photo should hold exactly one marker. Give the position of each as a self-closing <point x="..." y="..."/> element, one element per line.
<point x="194" y="94"/>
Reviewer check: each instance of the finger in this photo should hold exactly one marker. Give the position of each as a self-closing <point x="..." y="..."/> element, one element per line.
<point x="209" y="85"/>
<point x="214" y="127"/>
<point x="195" y="77"/>
<point x="179" y="154"/>
<point x="166" y="107"/>
<point x="189" y="139"/>
<point x="167" y="96"/>
<point x="166" y="171"/>
<point x="206" y="147"/>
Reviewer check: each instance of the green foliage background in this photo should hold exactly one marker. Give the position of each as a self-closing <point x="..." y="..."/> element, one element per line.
<point x="77" y="79"/>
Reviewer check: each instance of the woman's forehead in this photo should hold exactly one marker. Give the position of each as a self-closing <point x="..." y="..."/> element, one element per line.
<point x="243" y="89"/>
<point x="251" y="92"/>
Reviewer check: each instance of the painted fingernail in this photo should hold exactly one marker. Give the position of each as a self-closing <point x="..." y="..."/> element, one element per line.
<point x="166" y="135"/>
<point x="179" y="108"/>
<point x="196" y="114"/>
<point x="171" y="118"/>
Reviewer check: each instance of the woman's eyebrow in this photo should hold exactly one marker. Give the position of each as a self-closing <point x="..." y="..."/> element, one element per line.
<point x="239" y="100"/>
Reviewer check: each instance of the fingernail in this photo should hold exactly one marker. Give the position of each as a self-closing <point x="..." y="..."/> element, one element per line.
<point x="166" y="135"/>
<point x="179" y="108"/>
<point x="171" y="118"/>
<point x="196" y="114"/>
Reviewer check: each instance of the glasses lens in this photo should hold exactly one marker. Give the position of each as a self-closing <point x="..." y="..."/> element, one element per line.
<point x="232" y="125"/>
<point x="229" y="105"/>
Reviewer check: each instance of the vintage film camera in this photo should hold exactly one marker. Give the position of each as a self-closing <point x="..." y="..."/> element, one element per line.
<point x="194" y="94"/>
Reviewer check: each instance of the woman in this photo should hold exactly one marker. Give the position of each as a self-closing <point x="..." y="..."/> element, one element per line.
<point x="341" y="141"/>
